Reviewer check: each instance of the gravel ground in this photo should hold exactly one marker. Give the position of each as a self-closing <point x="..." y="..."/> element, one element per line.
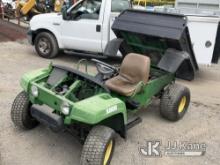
<point x="42" y="146"/>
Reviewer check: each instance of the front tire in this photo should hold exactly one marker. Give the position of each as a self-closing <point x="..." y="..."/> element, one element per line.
<point x="46" y="45"/>
<point x="99" y="146"/>
<point x="20" y="112"/>
<point x="175" y="102"/>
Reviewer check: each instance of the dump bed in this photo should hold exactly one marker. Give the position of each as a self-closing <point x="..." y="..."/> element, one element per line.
<point x="153" y="34"/>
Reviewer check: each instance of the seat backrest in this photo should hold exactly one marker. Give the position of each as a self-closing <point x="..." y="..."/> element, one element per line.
<point x="135" y="68"/>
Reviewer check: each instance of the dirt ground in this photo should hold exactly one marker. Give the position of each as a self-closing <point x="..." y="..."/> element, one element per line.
<point x="42" y="146"/>
<point x="11" y="32"/>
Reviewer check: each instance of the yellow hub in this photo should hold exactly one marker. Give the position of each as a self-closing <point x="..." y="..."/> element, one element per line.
<point x="108" y="152"/>
<point x="182" y="104"/>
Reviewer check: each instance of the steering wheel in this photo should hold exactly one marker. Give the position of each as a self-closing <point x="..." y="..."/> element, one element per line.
<point x="105" y="68"/>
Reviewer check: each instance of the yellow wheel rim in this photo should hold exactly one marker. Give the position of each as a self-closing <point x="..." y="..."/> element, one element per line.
<point x="182" y="104"/>
<point x="108" y="152"/>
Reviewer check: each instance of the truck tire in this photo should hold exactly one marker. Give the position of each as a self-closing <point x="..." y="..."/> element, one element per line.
<point x="20" y="112"/>
<point x="174" y="102"/>
<point x="98" y="147"/>
<point x="46" y="45"/>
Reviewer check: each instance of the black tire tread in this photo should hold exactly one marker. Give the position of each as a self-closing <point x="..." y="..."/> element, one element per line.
<point x="169" y="101"/>
<point x="95" y="144"/>
<point x="55" y="48"/>
<point x="19" y="112"/>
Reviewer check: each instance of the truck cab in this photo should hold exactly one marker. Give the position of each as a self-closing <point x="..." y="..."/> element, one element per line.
<point x="84" y="27"/>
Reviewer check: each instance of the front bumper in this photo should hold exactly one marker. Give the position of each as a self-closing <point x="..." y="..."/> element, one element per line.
<point x="45" y="115"/>
<point x="30" y="36"/>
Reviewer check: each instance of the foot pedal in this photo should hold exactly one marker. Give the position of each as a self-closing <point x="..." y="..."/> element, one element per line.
<point x="132" y="121"/>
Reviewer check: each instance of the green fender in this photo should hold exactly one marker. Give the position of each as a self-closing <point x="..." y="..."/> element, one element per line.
<point x="96" y="109"/>
<point x="32" y="76"/>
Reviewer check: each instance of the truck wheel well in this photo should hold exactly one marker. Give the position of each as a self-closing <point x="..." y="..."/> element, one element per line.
<point x="40" y="31"/>
<point x="115" y="122"/>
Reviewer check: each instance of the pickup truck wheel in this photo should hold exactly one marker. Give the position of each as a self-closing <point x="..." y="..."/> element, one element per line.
<point x="175" y="102"/>
<point x="20" y="112"/>
<point x="99" y="146"/>
<point x="46" y="45"/>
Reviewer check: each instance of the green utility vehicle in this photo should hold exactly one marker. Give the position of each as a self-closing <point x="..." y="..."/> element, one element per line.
<point x="156" y="48"/>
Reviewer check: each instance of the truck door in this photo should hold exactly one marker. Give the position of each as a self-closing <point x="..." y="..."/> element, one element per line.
<point x="83" y="30"/>
<point x="117" y="6"/>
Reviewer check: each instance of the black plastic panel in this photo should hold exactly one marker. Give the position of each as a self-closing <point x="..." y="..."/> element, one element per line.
<point x="164" y="29"/>
<point x="150" y="23"/>
<point x="112" y="47"/>
<point x="216" y="54"/>
<point x="177" y="62"/>
<point x="45" y="115"/>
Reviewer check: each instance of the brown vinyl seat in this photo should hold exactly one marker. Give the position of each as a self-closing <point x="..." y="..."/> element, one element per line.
<point x="135" y="69"/>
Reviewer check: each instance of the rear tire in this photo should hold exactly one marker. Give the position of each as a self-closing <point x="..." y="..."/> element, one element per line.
<point x="20" y="112"/>
<point x="46" y="45"/>
<point x="99" y="146"/>
<point x="175" y="102"/>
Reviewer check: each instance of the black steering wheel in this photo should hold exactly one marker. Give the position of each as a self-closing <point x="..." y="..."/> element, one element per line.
<point x="105" y="68"/>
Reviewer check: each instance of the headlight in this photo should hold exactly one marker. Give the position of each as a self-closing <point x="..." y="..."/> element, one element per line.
<point x="34" y="91"/>
<point x="65" y="108"/>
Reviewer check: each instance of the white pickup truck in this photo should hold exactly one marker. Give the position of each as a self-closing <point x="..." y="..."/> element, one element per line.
<point x="83" y="28"/>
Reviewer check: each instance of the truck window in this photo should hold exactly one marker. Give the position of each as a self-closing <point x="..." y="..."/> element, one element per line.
<point x="88" y="9"/>
<point x="120" y="5"/>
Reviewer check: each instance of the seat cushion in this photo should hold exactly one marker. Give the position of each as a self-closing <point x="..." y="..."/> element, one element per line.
<point x="121" y="85"/>
<point x="135" y="69"/>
